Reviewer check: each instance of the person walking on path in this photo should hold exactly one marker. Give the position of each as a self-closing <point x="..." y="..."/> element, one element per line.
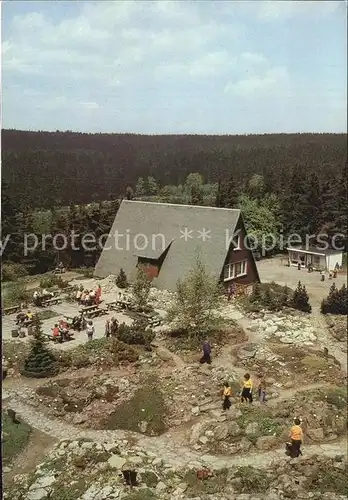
<point x="227" y="393"/>
<point x="90" y="330"/>
<point x="206" y="358"/>
<point x="261" y="388"/>
<point x="108" y="328"/>
<point x="247" y="389"/>
<point x="296" y="438"/>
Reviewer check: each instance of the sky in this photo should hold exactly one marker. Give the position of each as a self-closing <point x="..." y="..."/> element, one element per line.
<point x="172" y="67"/>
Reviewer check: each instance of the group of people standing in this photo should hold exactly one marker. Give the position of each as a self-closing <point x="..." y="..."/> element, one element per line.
<point x="111" y="327"/>
<point x="293" y="448"/>
<point x="39" y="297"/>
<point x="89" y="297"/>
<point x="246" y="393"/>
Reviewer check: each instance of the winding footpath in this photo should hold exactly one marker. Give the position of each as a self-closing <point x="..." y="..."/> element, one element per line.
<point x="166" y="447"/>
<point x="162" y="446"/>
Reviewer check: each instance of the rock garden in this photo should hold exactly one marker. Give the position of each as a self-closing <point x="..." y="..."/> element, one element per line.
<point x="143" y="401"/>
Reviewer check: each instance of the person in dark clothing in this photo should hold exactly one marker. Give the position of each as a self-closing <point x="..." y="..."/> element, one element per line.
<point x="206" y="358"/>
<point x="247" y="389"/>
<point x="227" y="393"/>
<point x="296" y="437"/>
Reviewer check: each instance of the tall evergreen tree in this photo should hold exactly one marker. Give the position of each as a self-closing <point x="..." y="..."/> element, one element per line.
<point x="40" y="362"/>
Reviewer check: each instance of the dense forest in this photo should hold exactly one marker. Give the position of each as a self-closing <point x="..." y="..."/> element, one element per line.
<point x="61" y="182"/>
<point x="44" y="169"/>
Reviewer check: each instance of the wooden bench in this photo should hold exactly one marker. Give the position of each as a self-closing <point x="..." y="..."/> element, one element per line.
<point x="125" y="305"/>
<point x="12" y="310"/>
<point x="96" y="312"/>
<point x="153" y="322"/>
<point x="88" y="308"/>
<point x="51" y="302"/>
<point x="113" y="306"/>
<point x="59" y="270"/>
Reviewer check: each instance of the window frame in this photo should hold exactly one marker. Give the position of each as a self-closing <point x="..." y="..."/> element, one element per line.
<point x="231" y="267"/>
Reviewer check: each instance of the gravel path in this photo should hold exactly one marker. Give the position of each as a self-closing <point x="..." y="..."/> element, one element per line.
<point x="171" y="453"/>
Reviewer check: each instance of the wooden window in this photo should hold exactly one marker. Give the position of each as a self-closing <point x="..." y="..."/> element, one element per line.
<point x="232" y="271"/>
<point x="238" y="244"/>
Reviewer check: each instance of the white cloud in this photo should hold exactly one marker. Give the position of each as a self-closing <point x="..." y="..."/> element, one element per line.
<point x="273" y="80"/>
<point x="162" y="62"/>
<point x="88" y="105"/>
<point x="274" y="9"/>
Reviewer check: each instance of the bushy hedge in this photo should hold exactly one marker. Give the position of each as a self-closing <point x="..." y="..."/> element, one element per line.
<point x="51" y="281"/>
<point x="15" y="295"/>
<point x="137" y="333"/>
<point x="275" y="297"/>
<point x="12" y="271"/>
<point x="336" y="302"/>
<point x="121" y="280"/>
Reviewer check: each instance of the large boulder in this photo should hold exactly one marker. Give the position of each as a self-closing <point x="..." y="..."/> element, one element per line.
<point x="316" y="434"/>
<point x="266" y="442"/>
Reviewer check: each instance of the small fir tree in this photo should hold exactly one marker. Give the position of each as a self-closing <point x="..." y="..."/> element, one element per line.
<point x="285" y="298"/>
<point x="141" y="288"/>
<point x="256" y="295"/>
<point x="197" y="304"/>
<point x="40" y="361"/>
<point x="121" y="280"/>
<point x="336" y="302"/>
<point x="268" y="299"/>
<point x="300" y="299"/>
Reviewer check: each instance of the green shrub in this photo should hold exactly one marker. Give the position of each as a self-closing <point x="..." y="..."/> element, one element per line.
<point x="146" y="405"/>
<point x="12" y="271"/>
<point x="270" y="296"/>
<point x="300" y="299"/>
<point x="87" y="272"/>
<point x="15" y="294"/>
<point x="136" y="333"/>
<point x="252" y="480"/>
<point x="197" y="304"/>
<point x="100" y="352"/>
<point x="53" y="281"/>
<point x="337" y="397"/>
<point x="336" y="302"/>
<point x="141" y="288"/>
<point x="16" y="437"/>
<point x="121" y="280"/>
<point x="40" y="362"/>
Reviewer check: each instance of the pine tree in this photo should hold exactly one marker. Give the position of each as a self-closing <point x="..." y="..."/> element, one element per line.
<point x="285" y="298"/>
<point x="196" y="196"/>
<point x="141" y="287"/>
<point x="312" y="215"/>
<point x="220" y="196"/>
<point x="256" y="295"/>
<point x="152" y="187"/>
<point x="295" y="205"/>
<point x="300" y="299"/>
<point x="129" y="193"/>
<point x="121" y="280"/>
<point x="140" y="187"/>
<point x="268" y="299"/>
<point x="336" y="302"/>
<point x="233" y="192"/>
<point x="40" y="362"/>
<point x="328" y="213"/>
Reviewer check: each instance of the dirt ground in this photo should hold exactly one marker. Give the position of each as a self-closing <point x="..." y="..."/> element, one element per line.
<point x="275" y="270"/>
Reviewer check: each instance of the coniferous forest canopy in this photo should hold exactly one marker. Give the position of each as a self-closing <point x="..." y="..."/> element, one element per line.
<point x="289" y="182"/>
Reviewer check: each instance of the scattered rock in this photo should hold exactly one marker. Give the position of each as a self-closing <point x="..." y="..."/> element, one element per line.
<point x="316" y="434"/>
<point x="252" y="429"/>
<point x="116" y="462"/>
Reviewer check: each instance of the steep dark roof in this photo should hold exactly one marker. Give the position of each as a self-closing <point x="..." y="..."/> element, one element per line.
<point x="170" y="221"/>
